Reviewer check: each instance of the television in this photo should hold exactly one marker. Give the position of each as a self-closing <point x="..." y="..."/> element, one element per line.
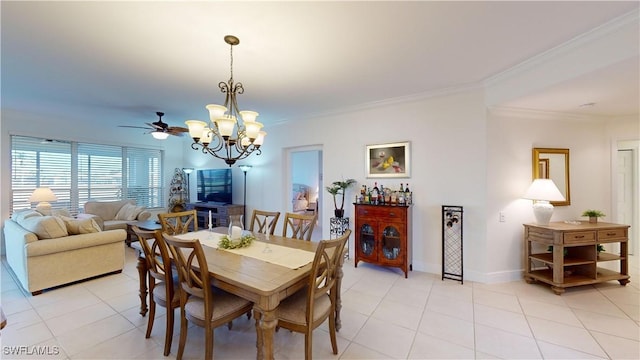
<point x="215" y="186"/>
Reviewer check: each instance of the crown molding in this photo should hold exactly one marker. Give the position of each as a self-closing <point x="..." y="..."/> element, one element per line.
<point x="545" y="115"/>
<point x="628" y="19"/>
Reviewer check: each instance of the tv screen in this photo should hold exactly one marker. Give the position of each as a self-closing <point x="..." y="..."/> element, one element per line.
<point x="214" y="185"/>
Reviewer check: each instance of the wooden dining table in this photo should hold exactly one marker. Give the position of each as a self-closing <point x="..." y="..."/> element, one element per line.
<point x="263" y="283"/>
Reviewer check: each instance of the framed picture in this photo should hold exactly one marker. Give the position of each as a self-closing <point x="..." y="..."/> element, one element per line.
<point x="388" y="160"/>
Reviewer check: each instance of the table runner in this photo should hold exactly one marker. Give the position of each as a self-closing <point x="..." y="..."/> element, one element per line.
<point x="261" y="250"/>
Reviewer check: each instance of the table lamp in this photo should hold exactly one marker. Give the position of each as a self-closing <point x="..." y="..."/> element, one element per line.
<point x="541" y="192"/>
<point x="43" y="196"/>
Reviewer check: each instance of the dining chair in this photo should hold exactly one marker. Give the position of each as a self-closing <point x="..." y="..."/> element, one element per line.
<point x="301" y="225"/>
<point x="308" y="308"/>
<point x="199" y="303"/>
<point x="162" y="285"/>
<point x="179" y="222"/>
<point x="264" y="221"/>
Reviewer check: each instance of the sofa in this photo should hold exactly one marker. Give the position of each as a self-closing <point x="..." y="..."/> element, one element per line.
<point x="46" y="251"/>
<point x="112" y="215"/>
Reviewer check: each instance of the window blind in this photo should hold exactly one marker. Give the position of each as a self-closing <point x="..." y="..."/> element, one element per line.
<point x="78" y="172"/>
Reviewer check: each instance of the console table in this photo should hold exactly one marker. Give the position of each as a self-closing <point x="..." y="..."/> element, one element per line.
<point x="219" y="213"/>
<point x="574" y="259"/>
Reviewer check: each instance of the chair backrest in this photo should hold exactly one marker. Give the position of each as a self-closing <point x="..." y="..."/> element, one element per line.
<point x="301" y="226"/>
<point x="156" y="255"/>
<point x="264" y="221"/>
<point x="324" y="271"/>
<point x="179" y="222"/>
<point x="193" y="282"/>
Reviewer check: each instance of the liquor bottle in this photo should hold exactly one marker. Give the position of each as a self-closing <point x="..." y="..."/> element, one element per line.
<point x="381" y="195"/>
<point x="375" y="192"/>
<point x="407" y="195"/>
<point x="366" y="196"/>
<point x="401" y="195"/>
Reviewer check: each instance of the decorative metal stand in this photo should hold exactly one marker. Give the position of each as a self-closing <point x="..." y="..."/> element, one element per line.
<point x="452" y="264"/>
<point x="337" y="228"/>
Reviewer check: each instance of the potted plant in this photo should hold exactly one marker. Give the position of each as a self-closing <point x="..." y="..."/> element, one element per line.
<point x="339" y="188"/>
<point x="593" y="215"/>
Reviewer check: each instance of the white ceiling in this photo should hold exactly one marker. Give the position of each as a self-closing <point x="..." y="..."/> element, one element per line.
<point x="120" y="62"/>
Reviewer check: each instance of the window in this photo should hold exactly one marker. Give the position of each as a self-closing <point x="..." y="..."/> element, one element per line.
<point x="78" y="172"/>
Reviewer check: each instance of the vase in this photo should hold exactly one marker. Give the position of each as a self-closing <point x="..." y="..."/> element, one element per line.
<point x="338" y="213"/>
<point x="235" y="227"/>
<point x="593" y="220"/>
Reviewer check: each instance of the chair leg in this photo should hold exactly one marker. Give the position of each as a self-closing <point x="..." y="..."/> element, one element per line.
<point x="308" y="341"/>
<point x="151" y="315"/>
<point x="168" y="336"/>
<point x="183" y="334"/>
<point x="332" y="332"/>
<point x="208" y="341"/>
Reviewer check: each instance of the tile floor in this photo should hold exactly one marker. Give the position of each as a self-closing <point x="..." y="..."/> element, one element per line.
<point x="384" y="317"/>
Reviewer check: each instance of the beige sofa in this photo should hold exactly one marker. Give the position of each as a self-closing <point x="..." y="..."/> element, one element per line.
<point x="47" y="251"/>
<point x="112" y="215"/>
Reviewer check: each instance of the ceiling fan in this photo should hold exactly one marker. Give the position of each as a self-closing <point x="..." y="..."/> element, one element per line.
<point x="160" y="129"/>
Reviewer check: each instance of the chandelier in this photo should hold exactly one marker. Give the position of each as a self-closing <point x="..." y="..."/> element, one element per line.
<point x="225" y="137"/>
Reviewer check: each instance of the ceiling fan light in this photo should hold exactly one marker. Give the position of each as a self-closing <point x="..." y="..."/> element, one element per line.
<point x="160" y="135"/>
<point x="248" y="116"/>
<point x="252" y="129"/>
<point x="216" y="111"/>
<point x="195" y="128"/>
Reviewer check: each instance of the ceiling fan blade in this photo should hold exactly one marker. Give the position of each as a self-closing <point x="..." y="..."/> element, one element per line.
<point x="176" y="133"/>
<point x="154" y="126"/>
<point x="178" y="129"/>
<point x="135" y="127"/>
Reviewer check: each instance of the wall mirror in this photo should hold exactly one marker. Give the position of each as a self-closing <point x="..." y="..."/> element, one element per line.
<point x="553" y="164"/>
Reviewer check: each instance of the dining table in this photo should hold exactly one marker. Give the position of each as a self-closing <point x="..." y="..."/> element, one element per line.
<point x="266" y="272"/>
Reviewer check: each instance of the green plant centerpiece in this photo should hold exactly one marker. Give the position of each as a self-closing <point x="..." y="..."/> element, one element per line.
<point x="593" y="215"/>
<point x="244" y="241"/>
<point x="339" y="188"/>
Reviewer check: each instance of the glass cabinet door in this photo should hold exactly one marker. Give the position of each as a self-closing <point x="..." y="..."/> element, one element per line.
<point x="391" y="246"/>
<point x="367" y="240"/>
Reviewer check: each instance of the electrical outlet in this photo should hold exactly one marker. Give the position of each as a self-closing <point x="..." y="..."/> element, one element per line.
<point x="501" y="215"/>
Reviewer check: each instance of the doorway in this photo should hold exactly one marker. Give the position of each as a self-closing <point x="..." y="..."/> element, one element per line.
<point x="627" y="197"/>
<point x="305" y="172"/>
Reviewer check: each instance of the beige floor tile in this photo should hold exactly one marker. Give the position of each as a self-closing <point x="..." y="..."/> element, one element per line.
<point x="502" y="319"/>
<point x="388" y="339"/>
<point x="359" y="301"/>
<point x="558" y="313"/>
<point x="358" y="352"/>
<point x="77" y="319"/>
<point x="399" y="314"/>
<point x="91" y="335"/>
<point x="617" y="347"/>
<point x="552" y="351"/>
<point x="448" y="305"/>
<point x="504" y="344"/>
<point x="406" y="294"/>
<point x="352" y="322"/>
<point x="625" y="328"/>
<point x="70" y="303"/>
<point x="586" y="298"/>
<point x="564" y="335"/>
<point x="498" y="300"/>
<point x="429" y="347"/>
<point x="447" y="328"/>
<point x="22" y="319"/>
<point x="128" y="345"/>
<point x="26" y="336"/>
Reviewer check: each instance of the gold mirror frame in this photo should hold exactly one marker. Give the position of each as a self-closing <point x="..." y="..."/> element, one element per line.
<point x="553" y="164"/>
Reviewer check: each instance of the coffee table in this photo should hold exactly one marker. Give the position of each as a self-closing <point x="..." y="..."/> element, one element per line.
<point x="151" y="225"/>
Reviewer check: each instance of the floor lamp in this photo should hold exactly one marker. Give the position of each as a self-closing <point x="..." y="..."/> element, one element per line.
<point x="188" y="171"/>
<point x="245" y="169"/>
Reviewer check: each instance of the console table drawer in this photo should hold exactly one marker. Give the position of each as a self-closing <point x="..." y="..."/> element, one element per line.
<point x="612" y="234"/>
<point x="579" y="237"/>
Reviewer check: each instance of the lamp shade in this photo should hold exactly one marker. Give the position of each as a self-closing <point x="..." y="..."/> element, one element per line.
<point x="42" y="194"/>
<point x="543" y="189"/>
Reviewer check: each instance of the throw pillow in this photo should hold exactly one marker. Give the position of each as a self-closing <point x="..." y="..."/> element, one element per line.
<point x="20" y="215"/>
<point x="60" y="213"/>
<point x="45" y="227"/>
<point x="128" y="212"/>
<point x="80" y="226"/>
